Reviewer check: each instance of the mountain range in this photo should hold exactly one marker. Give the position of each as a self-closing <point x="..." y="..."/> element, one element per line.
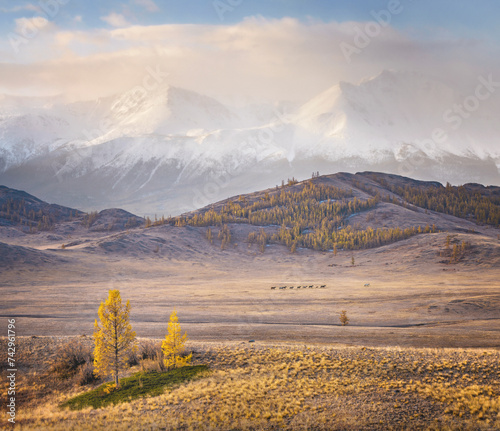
<point x="171" y="150"/>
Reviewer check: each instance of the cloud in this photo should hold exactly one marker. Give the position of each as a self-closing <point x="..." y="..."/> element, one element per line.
<point x="115" y="20"/>
<point x="149" y="5"/>
<point x="254" y="60"/>
<point x="29" y="6"/>
<point x="29" y="26"/>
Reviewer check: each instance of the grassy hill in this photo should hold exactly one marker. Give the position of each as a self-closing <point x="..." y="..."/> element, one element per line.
<point x="347" y="211"/>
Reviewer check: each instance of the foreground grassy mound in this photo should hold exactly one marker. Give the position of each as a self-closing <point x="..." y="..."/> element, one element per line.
<point x="139" y="385"/>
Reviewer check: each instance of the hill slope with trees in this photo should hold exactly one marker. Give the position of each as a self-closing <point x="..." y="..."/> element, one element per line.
<point x="318" y="213"/>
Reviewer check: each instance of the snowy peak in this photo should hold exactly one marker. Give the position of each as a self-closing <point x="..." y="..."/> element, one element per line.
<point x="30" y="127"/>
<point x="403" y="96"/>
<point x="168" y="110"/>
<point x="393" y="110"/>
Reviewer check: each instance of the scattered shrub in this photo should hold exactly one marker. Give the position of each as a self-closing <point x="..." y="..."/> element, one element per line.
<point x="149" y="349"/>
<point x="70" y="358"/>
<point x="344" y="320"/>
<point x="85" y="374"/>
<point x="149" y="356"/>
<point x="146" y="350"/>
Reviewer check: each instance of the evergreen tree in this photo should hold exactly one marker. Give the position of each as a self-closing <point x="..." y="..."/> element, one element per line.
<point x="210" y="236"/>
<point x="448" y="239"/>
<point x="173" y="345"/>
<point x="114" y="338"/>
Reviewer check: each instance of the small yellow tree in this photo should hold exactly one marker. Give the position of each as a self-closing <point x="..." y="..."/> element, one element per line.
<point x="113" y="337"/>
<point x="173" y="345"/>
<point x="344" y="320"/>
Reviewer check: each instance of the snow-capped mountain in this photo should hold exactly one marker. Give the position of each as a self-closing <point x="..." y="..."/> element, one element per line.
<point x="169" y="150"/>
<point x="29" y="129"/>
<point x="393" y="113"/>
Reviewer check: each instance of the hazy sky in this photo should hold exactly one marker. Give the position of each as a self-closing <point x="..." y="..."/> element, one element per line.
<point x="240" y="50"/>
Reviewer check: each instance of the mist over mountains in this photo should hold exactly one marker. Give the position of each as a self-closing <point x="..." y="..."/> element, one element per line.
<point x="168" y="150"/>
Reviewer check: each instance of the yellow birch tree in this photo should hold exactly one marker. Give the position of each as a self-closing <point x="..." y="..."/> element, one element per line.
<point x="114" y="338"/>
<point x="173" y="345"/>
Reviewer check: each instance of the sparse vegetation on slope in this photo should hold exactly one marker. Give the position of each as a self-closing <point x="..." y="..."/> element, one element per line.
<point x="312" y="203"/>
<point x="89" y="218"/>
<point x="457" y="201"/>
<point x="315" y="216"/>
<point x="34" y="216"/>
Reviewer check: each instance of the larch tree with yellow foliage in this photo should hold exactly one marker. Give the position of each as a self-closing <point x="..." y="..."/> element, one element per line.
<point x="173" y="345"/>
<point x="114" y="338"/>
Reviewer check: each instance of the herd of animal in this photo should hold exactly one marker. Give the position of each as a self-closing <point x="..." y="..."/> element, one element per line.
<point x="312" y="286"/>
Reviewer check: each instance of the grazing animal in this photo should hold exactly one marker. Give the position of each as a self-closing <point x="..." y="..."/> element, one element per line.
<point x="367" y="284"/>
<point x="282" y="287"/>
<point x="310" y="287"/>
<point x="274" y="287"/>
<point x="323" y="286"/>
<point x="291" y="287"/>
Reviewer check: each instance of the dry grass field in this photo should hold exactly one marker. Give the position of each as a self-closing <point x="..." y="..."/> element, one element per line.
<point x="271" y="386"/>
<point x="413" y="297"/>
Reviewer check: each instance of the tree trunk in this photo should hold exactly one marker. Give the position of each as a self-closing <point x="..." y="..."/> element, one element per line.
<point x="117" y="382"/>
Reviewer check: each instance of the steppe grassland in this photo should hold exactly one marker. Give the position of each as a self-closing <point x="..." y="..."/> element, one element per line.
<point x="299" y="387"/>
<point x="209" y="295"/>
